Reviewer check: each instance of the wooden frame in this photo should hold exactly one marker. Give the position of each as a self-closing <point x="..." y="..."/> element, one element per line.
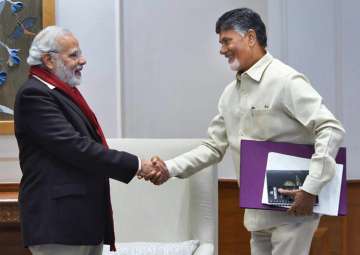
<point x="48" y="18"/>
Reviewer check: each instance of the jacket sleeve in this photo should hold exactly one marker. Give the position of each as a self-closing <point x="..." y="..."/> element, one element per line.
<point x="42" y="121"/>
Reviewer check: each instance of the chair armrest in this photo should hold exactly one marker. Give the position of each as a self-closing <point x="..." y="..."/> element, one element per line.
<point x="205" y="249"/>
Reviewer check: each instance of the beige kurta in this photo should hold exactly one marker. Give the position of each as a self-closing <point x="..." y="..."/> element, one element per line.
<point x="273" y="102"/>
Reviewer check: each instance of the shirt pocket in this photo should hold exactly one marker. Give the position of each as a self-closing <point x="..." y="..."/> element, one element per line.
<point x="263" y="123"/>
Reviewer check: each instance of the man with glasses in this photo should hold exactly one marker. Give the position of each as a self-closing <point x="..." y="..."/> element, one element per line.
<point x="267" y="101"/>
<point x="64" y="196"/>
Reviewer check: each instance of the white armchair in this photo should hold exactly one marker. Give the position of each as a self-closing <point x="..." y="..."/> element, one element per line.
<point x="179" y="210"/>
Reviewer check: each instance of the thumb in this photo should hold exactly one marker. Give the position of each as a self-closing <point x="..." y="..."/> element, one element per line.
<point x="287" y="192"/>
<point x="155" y="158"/>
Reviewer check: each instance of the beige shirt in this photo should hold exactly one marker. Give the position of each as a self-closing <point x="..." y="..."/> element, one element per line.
<point x="272" y="102"/>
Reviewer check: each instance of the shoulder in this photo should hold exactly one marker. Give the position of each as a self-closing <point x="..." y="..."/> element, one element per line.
<point x="33" y="85"/>
<point x="285" y="75"/>
<point x="282" y="70"/>
<point x="32" y="89"/>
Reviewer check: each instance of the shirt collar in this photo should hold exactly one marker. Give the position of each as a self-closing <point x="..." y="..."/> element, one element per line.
<point x="256" y="71"/>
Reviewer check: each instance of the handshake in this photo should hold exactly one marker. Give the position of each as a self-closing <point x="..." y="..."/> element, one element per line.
<point x="154" y="170"/>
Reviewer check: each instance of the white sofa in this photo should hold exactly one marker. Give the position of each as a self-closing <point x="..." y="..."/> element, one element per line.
<point x="179" y="210"/>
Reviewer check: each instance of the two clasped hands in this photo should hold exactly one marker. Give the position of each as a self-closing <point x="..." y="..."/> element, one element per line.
<point x="154" y="170"/>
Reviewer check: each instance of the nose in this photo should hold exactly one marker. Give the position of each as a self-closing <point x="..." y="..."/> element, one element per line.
<point x="223" y="50"/>
<point x="82" y="60"/>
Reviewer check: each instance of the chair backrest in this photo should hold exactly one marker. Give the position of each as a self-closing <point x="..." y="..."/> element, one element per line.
<point x="180" y="209"/>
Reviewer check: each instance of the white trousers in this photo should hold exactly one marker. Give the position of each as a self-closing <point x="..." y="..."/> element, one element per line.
<point x="60" y="249"/>
<point x="287" y="239"/>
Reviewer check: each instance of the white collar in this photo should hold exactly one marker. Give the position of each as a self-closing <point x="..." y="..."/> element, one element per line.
<point x="46" y="83"/>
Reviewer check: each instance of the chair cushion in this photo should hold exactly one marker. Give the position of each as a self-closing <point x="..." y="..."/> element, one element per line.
<point x="150" y="248"/>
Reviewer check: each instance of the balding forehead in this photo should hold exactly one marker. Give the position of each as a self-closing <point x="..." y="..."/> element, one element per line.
<point x="66" y="41"/>
<point x="66" y="38"/>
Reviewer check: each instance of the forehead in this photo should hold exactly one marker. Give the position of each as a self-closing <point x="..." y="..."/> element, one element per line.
<point x="228" y="34"/>
<point x="67" y="43"/>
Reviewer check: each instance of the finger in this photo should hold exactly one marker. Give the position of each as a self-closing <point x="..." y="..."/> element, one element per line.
<point x="287" y="192"/>
<point x="155" y="179"/>
<point x="139" y="174"/>
<point x="163" y="165"/>
<point x="158" y="164"/>
<point x="160" y="181"/>
<point x="150" y="175"/>
<point x="155" y="158"/>
<point x="164" y="177"/>
<point x="159" y="167"/>
<point x="292" y="210"/>
<point x="301" y="211"/>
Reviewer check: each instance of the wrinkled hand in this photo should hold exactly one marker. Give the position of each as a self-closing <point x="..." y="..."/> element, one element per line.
<point x="154" y="171"/>
<point x="163" y="173"/>
<point x="303" y="202"/>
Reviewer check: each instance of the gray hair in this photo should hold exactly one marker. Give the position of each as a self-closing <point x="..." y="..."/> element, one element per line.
<point x="44" y="42"/>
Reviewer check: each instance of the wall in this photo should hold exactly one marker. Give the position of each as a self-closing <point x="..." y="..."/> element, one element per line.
<point x="318" y="39"/>
<point x="173" y="74"/>
<point x="96" y="25"/>
<point x="9" y="165"/>
<point x="171" y="51"/>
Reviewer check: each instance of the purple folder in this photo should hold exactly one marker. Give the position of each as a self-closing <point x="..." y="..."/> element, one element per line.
<point x="253" y="155"/>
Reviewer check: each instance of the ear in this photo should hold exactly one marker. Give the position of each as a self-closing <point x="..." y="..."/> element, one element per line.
<point x="48" y="61"/>
<point x="252" y="37"/>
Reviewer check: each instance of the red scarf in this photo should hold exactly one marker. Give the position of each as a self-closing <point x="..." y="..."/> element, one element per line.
<point x="74" y="94"/>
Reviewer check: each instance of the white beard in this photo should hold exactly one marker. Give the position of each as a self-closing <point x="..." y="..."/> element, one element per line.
<point x="65" y="74"/>
<point x="235" y="65"/>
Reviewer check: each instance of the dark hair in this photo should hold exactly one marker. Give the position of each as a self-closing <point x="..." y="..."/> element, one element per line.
<point x="242" y="20"/>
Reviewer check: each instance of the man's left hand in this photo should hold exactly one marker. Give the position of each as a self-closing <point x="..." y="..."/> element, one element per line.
<point x="303" y="202"/>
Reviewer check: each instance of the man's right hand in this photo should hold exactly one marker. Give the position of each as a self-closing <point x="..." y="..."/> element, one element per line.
<point x="147" y="170"/>
<point x="154" y="170"/>
<point x="163" y="173"/>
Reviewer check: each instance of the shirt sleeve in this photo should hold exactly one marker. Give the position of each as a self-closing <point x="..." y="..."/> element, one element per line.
<point x="139" y="166"/>
<point x="209" y="152"/>
<point x="303" y="103"/>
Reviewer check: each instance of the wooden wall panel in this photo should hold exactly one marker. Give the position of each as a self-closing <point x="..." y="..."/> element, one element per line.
<point x="353" y="218"/>
<point x="10" y="237"/>
<point x="233" y="237"/>
<point x="335" y="235"/>
<point x="10" y="241"/>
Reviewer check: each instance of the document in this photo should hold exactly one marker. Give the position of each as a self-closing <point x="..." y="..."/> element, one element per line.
<point x="329" y="197"/>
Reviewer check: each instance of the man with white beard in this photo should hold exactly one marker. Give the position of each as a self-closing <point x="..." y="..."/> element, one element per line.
<point x="64" y="196"/>
<point x="268" y="101"/>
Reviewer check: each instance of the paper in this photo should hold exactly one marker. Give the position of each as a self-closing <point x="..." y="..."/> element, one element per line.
<point x="329" y="196"/>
